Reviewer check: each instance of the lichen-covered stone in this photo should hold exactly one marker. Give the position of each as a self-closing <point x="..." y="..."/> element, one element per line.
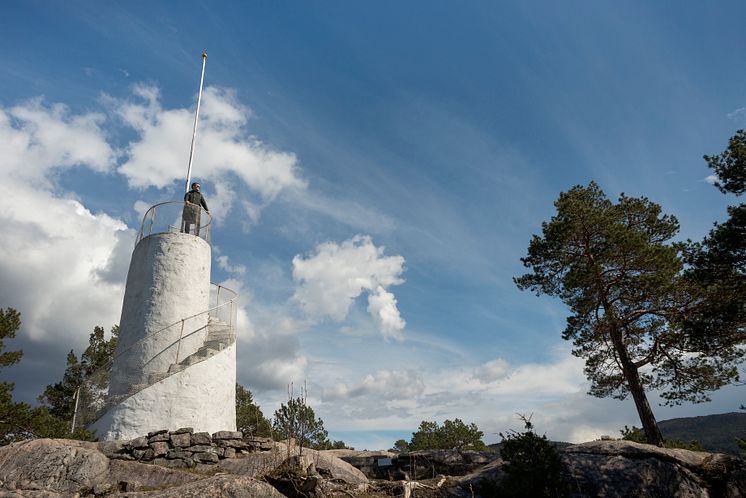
<point x="201" y="438"/>
<point x="181" y="440"/>
<point x="228" y="435"/>
<point x="137" y="443"/>
<point x="148" y="455"/>
<point x="157" y="433"/>
<point x="159" y="437"/>
<point x="232" y="443"/>
<point x="206" y="457"/>
<point x="159" y="448"/>
<point x="178" y="454"/>
<point x="260" y="443"/>
<point x="183" y="430"/>
<point x="111" y="448"/>
<point x="203" y="448"/>
<point x="138" y="454"/>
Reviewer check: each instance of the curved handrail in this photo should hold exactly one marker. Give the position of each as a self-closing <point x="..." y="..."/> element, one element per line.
<point x="97" y="397"/>
<point x="153" y="334"/>
<point x="176" y="217"/>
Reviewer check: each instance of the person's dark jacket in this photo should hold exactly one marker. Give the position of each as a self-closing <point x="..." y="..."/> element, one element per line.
<point x="194" y="197"/>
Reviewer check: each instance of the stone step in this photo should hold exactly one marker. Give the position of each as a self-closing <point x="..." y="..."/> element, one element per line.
<point x="216" y="344"/>
<point x="176" y="367"/>
<point x="220" y="333"/>
<point x="200" y="355"/>
<point x="134" y="388"/>
<point x="223" y="341"/>
<point x="157" y="377"/>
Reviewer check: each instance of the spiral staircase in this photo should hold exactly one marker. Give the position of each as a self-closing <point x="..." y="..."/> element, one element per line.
<point x="191" y="360"/>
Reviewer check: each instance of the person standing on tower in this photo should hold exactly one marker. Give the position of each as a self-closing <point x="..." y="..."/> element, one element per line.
<point x="193" y="201"/>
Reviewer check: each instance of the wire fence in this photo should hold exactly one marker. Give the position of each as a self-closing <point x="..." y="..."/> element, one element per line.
<point x="109" y="385"/>
<point x="176" y="217"/>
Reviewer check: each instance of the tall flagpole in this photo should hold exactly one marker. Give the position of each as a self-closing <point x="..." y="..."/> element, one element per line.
<point x="196" y="120"/>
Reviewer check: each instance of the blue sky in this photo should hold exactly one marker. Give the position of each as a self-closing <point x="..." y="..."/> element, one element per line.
<point x="397" y="155"/>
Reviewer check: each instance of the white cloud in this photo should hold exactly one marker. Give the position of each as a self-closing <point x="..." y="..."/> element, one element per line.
<point x="330" y="280"/>
<point x="386" y="385"/>
<point x="141" y="207"/>
<point x="223" y="146"/>
<point x="225" y="265"/>
<point x="37" y="139"/>
<point x="739" y="115"/>
<point x="711" y="179"/>
<point x="62" y="266"/>
<point x="382" y="307"/>
<point x="493" y="370"/>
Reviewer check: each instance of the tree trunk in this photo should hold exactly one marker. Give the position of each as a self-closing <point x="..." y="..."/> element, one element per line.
<point x="632" y="376"/>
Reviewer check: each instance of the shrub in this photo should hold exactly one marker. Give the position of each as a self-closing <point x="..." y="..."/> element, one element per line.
<point x="533" y="466"/>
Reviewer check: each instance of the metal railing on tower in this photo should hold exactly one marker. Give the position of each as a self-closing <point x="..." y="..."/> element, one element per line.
<point x="176" y="217"/>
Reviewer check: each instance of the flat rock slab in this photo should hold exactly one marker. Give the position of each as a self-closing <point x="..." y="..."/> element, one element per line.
<point x="258" y="464"/>
<point x="145" y="475"/>
<point x="32" y="494"/>
<point x="52" y="465"/>
<point x="229" y="486"/>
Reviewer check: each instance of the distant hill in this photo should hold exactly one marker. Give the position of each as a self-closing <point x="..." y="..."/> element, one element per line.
<point x="714" y="432"/>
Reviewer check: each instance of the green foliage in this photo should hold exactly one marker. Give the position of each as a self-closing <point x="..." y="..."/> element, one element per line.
<point x="297" y="420"/>
<point x="452" y="435"/>
<point x="638" y="436"/>
<point x="718" y="263"/>
<point x="19" y="421"/>
<point x="533" y="467"/>
<point x="332" y="445"/>
<point x="400" y="446"/>
<point x="249" y="417"/>
<point x="617" y="269"/>
<point x="59" y="398"/>
<point x="10" y="322"/>
<point x="730" y="165"/>
<point x="87" y="378"/>
<point x="15" y="418"/>
<point x="633" y="434"/>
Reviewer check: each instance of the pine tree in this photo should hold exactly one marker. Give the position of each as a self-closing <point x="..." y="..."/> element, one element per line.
<point x="297" y="420"/>
<point x="249" y="417"/>
<point x="617" y="269"/>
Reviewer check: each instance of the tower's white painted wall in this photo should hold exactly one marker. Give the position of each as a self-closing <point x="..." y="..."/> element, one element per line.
<point x="168" y="280"/>
<point x="203" y="397"/>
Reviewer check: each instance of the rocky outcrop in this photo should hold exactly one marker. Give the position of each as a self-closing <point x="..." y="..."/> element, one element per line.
<point x="620" y="469"/>
<point x="52" y="465"/>
<point x="53" y="468"/>
<point x="327" y="465"/>
<point x="632" y="469"/>
<point x="217" y="487"/>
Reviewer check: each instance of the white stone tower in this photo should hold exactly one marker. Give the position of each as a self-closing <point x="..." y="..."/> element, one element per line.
<point x="175" y="363"/>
